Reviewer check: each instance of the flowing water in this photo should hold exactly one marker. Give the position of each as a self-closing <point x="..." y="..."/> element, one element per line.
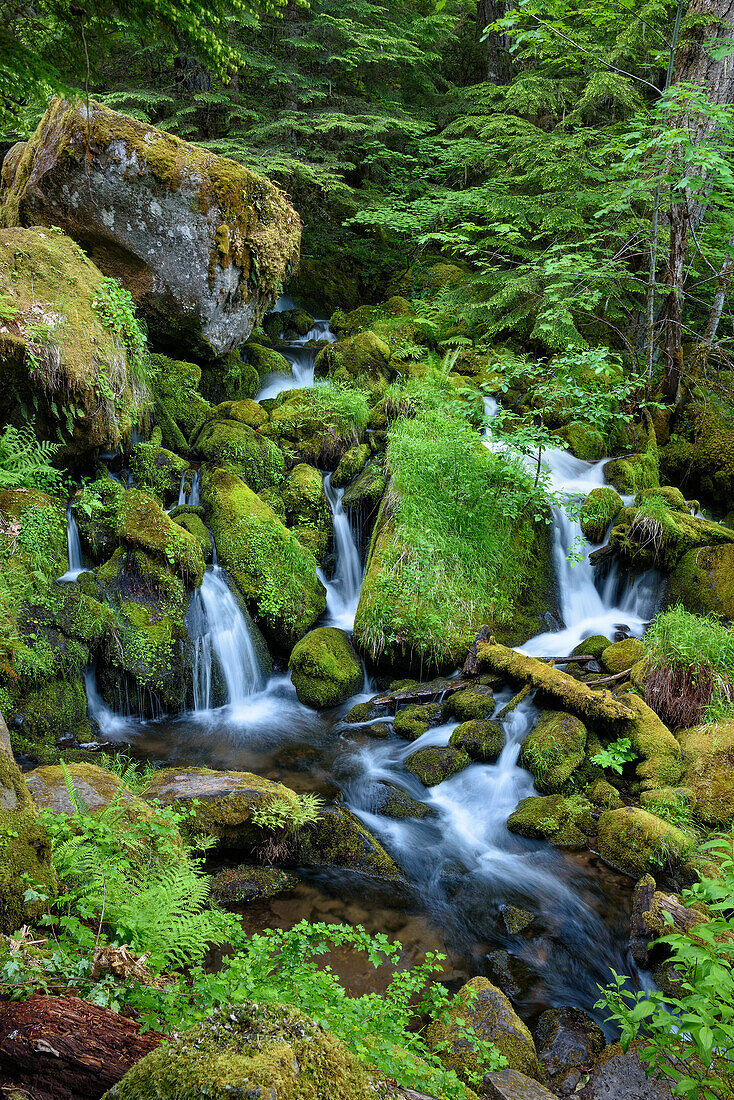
<point x="74" y="548"/>
<point x="301" y="355"/>
<point x="343" y="588"/>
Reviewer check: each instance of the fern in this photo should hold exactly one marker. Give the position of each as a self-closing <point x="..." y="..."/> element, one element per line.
<point x="26" y="461"/>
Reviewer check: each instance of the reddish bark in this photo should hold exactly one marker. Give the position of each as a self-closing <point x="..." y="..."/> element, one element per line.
<point x="63" y="1048"/>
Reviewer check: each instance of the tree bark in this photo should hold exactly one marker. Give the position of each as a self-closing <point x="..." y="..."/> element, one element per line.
<point x="63" y="1048"/>
<point x="497" y="65"/>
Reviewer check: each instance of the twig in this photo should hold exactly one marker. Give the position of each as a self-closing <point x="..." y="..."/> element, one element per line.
<point x="609" y="679"/>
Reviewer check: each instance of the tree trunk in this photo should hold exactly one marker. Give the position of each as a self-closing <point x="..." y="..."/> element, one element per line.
<point x="714" y="21"/>
<point x="497" y="64"/>
<point x="63" y="1048"/>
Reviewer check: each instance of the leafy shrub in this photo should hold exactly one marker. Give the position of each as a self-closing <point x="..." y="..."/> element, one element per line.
<point x="690" y="678"/>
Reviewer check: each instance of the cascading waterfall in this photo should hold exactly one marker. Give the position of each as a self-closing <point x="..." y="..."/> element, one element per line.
<point x="74" y="547"/>
<point x="343" y="589"/>
<point x="302" y="359"/>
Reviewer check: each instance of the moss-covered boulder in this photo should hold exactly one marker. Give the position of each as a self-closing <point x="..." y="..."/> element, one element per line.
<point x="635" y="842"/>
<point x="366" y="712"/>
<point x="474" y="703"/>
<point x="412" y="721"/>
<point x="195" y="526"/>
<point x="565" y="822"/>
<point x="654" y="535"/>
<point x="339" y="839"/>
<point x="317" y="425"/>
<point x="252" y="1051"/>
<point x="659" y="752"/>
<point x="593" y="646"/>
<point x="238" y="886"/>
<point x="487" y="1012"/>
<point x="61" y="364"/>
<point x="432" y="766"/>
<point x="633" y="473"/>
<point x="265" y="360"/>
<point x="124" y="189"/>
<point x="325" y="669"/>
<point x="392" y="801"/>
<point x="143" y="525"/>
<point x="157" y="470"/>
<point x="363" y="495"/>
<point x="362" y="360"/>
<point x="178" y="405"/>
<point x="273" y="572"/>
<point x="619" y="656"/>
<point x="26" y="849"/>
<point x="351" y="463"/>
<point x="481" y="740"/>
<point x="554" y="749"/>
<point x="700" y="454"/>
<point x="96" y="509"/>
<point x="251" y="455"/>
<point x="598" y="511"/>
<point x="583" y="440"/>
<point x="708" y="771"/>
<point x="703" y="582"/>
<point x="307" y="510"/>
<point x="95" y="788"/>
<point x="229" y="377"/>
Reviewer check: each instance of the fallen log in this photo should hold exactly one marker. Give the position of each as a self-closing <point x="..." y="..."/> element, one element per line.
<point x="573" y="695"/>
<point x="432" y="690"/>
<point x="64" y="1048"/>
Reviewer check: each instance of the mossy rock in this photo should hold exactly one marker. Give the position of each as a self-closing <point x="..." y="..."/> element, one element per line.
<point x="481" y="740"/>
<point x="274" y="574"/>
<point x="620" y="656"/>
<point x="324" y="668"/>
<point x="660" y="763"/>
<point x="251" y="455"/>
<point x="47" y="280"/>
<point x="659" y="540"/>
<point x="366" y="712"/>
<point x="95" y="787"/>
<point x="633" y="473"/>
<point x="244" y="411"/>
<point x="700" y="456"/>
<point x="487" y="1012"/>
<point x="598" y="512"/>
<point x="96" y="511"/>
<point x="413" y="721"/>
<point x="307" y="510"/>
<point x="196" y="527"/>
<point x="553" y="750"/>
<point x="703" y="582"/>
<point x="143" y="525"/>
<point x="351" y="463"/>
<point x="708" y="770"/>
<point x="565" y="822"/>
<point x="569" y="1044"/>
<point x="265" y="360"/>
<point x="592" y="646"/>
<point x="252" y="1051"/>
<point x="46" y="714"/>
<point x="362" y="360"/>
<point x="307" y="426"/>
<point x="157" y="470"/>
<point x="474" y="703"/>
<point x="637" y="842"/>
<point x="583" y="440"/>
<point x="389" y="800"/>
<point x="25" y="849"/>
<point x="339" y="839"/>
<point x="672" y="496"/>
<point x="366" y="491"/>
<point x="228" y="378"/>
<point x="432" y="766"/>
<point x="178" y="405"/>
<point x="604" y="795"/>
<point x="238" y="886"/>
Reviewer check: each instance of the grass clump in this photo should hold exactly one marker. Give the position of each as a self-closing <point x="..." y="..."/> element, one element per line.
<point x="690" y="676"/>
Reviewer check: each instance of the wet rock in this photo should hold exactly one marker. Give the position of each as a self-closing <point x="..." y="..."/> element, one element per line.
<point x="487" y="1011"/>
<point x="250" y="454"/>
<point x="635" y="841"/>
<point x="365" y="712"/>
<point x="413" y="721"/>
<point x="95" y="787"/>
<point x="554" y="749"/>
<point x="391" y="801"/>
<point x="201" y="242"/>
<point x="307" y="510"/>
<point x="432" y="766"/>
<point x="568" y="1044"/>
<point x="481" y="740"/>
<point x="508" y="972"/>
<point x="516" y="919"/>
<point x="157" y="470"/>
<point x="565" y="822"/>
<point x="237" y="886"/>
<point x="472" y="704"/>
<point x="339" y="839"/>
<point x="324" y="668"/>
<point x="620" y="1076"/>
<point x="660" y="762"/>
<point x="508" y="1084"/>
<point x="604" y="795"/>
<point x="363" y="359"/>
<point x="641" y="934"/>
<point x="351" y="464"/>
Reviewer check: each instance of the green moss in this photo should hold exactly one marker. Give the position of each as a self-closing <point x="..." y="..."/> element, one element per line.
<point x="43" y="716"/>
<point x="25" y="850"/>
<point x="96" y="516"/>
<point x="391" y="801"/>
<point x="411" y="722"/>
<point x="620" y="656"/>
<point x="229" y="378"/>
<point x="635" y="841"/>
<point x="660" y="763"/>
<point x="703" y="582"/>
<point x="565" y="822"/>
<point x="554" y="750"/>
<point x="700" y="457"/>
<point x="178" y="406"/>
<point x="367" y="489"/>
<point x="265" y="360"/>
<point x="339" y="839"/>
<point x="633" y="473"/>
<point x="488" y="1013"/>
<point x="307" y="509"/>
<point x="598" y="512"/>
<point x="656" y="536"/>
<point x="593" y="646"/>
<point x="365" y="712"/>
<point x="583" y="440"/>
<point x="237" y="886"/>
<point x="142" y="524"/>
<point x="472" y="703"/>
<point x="195" y="526"/>
<point x="318" y="425"/>
<point x="481" y="740"/>
<point x="249" y="1051"/>
<point x="708" y="770"/>
<point x="325" y="669"/>
<point x="251" y="455"/>
<point x="274" y="574"/>
<point x="362" y="360"/>
<point x="244" y="411"/>
<point x="157" y="470"/>
<point x="432" y="766"/>
<point x="352" y="463"/>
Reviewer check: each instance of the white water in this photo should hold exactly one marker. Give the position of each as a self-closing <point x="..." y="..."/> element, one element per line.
<point x="74" y="548"/>
<point x="302" y="360"/>
<point x="342" y="591"/>
<point x="111" y="725"/>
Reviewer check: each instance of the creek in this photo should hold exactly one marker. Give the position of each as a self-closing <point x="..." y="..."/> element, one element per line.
<point x="461" y="863"/>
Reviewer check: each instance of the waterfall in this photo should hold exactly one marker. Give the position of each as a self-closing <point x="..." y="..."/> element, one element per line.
<point x="342" y="591"/>
<point x="302" y="360"/>
<point x="74" y="547"/>
<point x="108" y="721"/>
<point x="189" y="492"/>
<point x="222" y="635"/>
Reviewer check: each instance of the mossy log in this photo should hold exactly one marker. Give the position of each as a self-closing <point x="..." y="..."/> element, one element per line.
<point x="572" y="695"/>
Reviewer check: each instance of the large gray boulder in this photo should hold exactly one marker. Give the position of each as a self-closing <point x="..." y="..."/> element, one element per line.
<point x="200" y="242"/>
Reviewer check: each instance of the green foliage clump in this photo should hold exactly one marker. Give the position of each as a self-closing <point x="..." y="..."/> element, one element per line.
<point x="26" y="461"/>
<point x="615" y="756"/>
<point x="116" y="310"/>
<point x="690" y="668"/>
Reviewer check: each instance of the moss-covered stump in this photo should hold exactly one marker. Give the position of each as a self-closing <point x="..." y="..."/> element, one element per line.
<point x="307" y="510"/>
<point x="634" y="841"/>
<point x="598" y="512"/>
<point x="583" y="440"/>
<point x="481" y="740"/>
<point x="95" y="787"/>
<point x="432" y="766"/>
<point x="273" y="572"/>
<point x="208" y="287"/>
<point x="83" y="390"/>
<point x="486" y="1011"/>
<point x="472" y="704"/>
<point x="362" y="360"/>
<point x="25" y="850"/>
<point x="324" y="668"/>
<point x="237" y="886"/>
<point x="178" y="405"/>
<point x="708" y="771"/>
<point x="568" y="1044"/>
<point x="339" y="839"/>
<point x="413" y="721"/>
<point x="351" y="463"/>
<point x="157" y="470"/>
<point x="251" y="455"/>
<point x="143" y="525"/>
<point x="392" y="801"/>
<point x="703" y="581"/>
<point x="252" y="1051"/>
<point x="222" y="803"/>
<point x="553" y="750"/>
<point x="565" y="822"/>
<point x="619" y="656"/>
<point x="659" y="752"/>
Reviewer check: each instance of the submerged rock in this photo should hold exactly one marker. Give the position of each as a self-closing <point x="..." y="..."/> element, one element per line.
<point x="201" y="242"/>
<point x="325" y="669"/>
<point x="568" y="1044"/>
